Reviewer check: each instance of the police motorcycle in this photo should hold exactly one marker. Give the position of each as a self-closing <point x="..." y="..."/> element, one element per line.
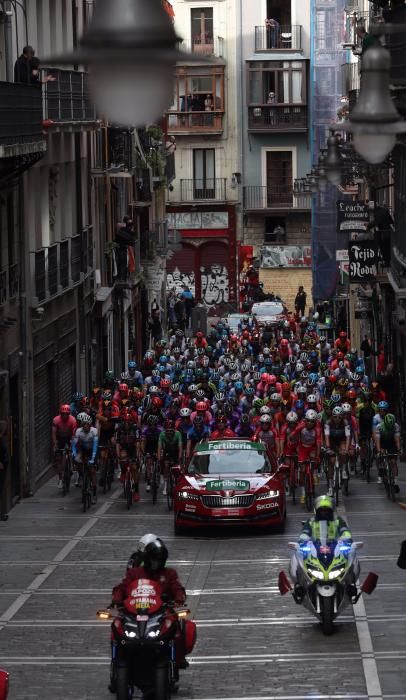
<point x="144" y="633"/>
<point x="325" y="577"/>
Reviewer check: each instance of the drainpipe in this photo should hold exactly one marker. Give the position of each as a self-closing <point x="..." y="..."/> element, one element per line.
<point x="8" y="40"/>
<point x="241" y="109"/>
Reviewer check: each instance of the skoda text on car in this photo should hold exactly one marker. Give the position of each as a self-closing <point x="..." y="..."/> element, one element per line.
<point x="268" y="312"/>
<point x="229" y="482"/>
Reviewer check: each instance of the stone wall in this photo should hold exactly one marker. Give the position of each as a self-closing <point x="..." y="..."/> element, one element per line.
<point x="286" y="282"/>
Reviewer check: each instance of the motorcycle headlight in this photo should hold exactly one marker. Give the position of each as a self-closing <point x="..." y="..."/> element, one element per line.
<point x="267" y="494"/>
<point x="315" y="572"/>
<point x="336" y="572"/>
<point x="130" y="634"/>
<point x="187" y="496"/>
<point x="153" y="633"/>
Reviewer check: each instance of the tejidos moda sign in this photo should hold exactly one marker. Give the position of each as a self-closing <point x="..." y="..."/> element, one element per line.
<point x="352" y="216"/>
<point x="363" y="259"/>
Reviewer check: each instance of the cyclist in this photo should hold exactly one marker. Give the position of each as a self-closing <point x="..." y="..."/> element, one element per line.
<point x="149" y="445"/>
<point x="64" y="426"/>
<point x="366" y="413"/>
<point x="199" y="431"/>
<point x="221" y="429"/>
<point x="267" y="434"/>
<point x="170" y="450"/>
<point x="337" y="435"/>
<point x="75" y="406"/>
<point x="245" y="428"/>
<point x="106" y="420"/>
<point x="309" y="444"/>
<point x="127" y="443"/>
<point x="387" y="438"/>
<point x="84" y="445"/>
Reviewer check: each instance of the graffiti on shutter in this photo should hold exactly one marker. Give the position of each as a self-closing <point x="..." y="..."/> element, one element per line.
<point x="42" y="418"/>
<point x="214" y="259"/>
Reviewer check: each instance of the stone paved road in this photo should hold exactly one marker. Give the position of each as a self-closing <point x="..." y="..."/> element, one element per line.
<point x="59" y="566"/>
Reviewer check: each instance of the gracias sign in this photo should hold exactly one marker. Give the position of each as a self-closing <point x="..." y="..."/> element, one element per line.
<point x="362" y="259"/>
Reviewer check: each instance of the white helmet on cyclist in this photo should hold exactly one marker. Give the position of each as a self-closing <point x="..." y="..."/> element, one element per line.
<point x="185" y="412"/>
<point x="264" y="411"/>
<point x="337" y="411"/>
<point x="312" y="398"/>
<point x="275" y="397"/>
<point x="311" y="415"/>
<point x="292" y="417"/>
<point x="299" y="367"/>
<point x="346" y="408"/>
<point x="86" y="420"/>
<point x="265" y="419"/>
<point x="81" y="416"/>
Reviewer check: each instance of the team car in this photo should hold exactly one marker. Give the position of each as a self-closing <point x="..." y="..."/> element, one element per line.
<point x="229" y="482"/>
<point x="268" y="312"/>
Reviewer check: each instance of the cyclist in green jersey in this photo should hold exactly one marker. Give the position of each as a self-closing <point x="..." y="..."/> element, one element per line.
<point x="170" y="449"/>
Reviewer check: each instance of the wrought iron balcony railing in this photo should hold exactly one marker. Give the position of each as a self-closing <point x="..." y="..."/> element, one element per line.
<point x="278" y="38"/>
<point x="20" y="119"/>
<point x="273" y="197"/>
<point x="114" y="151"/>
<point x="195" y="122"/>
<point x="267" y="117"/>
<point x="66" y="99"/>
<point x="208" y="189"/>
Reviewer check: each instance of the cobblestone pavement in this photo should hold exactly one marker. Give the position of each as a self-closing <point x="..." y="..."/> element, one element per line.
<point x="59" y="566"/>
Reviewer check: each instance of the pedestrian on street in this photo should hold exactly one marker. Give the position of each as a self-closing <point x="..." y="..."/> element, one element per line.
<point x="155" y="326"/>
<point x="300" y="301"/>
<point x="189" y="302"/>
<point x="171" y="306"/>
<point x="180" y="312"/>
<point x="4" y="459"/>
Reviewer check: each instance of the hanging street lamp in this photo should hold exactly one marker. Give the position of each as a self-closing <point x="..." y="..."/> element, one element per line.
<point x="374" y="121"/>
<point x="130" y="48"/>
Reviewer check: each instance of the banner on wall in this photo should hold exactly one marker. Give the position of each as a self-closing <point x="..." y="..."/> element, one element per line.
<point x="286" y="256"/>
<point x="362" y="260"/>
<point x="352" y="216"/>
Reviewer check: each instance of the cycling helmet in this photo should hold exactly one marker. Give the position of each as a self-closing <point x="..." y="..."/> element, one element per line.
<point x="311" y="381"/>
<point x="264" y="410"/>
<point x="235" y="377"/>
<point x="109" y="375"/>
<point x="299" y="405"/>
<point x="328" y="403"/>
<point x="272" y="379"/>
<point x="299" y="367"/>
<point x="336" y="398"/>
<point x="200" y="394"/>
<point x="152" y="420"/>
<point x="304" y="375"/>
<point x="265" y="420"/>
<point x="312" y="398"/>
<point x="238" y="386"/>
<point x="77" y="396"/>
<point x="383" y="405"/>
<point x="249" y="391"/>
<point x="322" y="339"/>
<point x="221" y="419"/>
<point x="124" y="376"/>
<point x="200" y="351"/>
<point x="389" y="421"/>
<point x="201" y="406"/>
<point x="132" y="365"/>
<point x="257" y="402"/>
<point x="86" y="420"/>
<point x="292" y="359"/>
<point x="359" y="370"/>
<point x="304" y="356"/>
<point x="156" y="401"/>
<point x="337" y="411"/>
<point x="155" y="556"/>
<point x="311" y="415"/>
<point x="185" y="412"/>
<point x="346" y="408"/>
<point x="292" y="417"/>
<point x="163" y="360"/>
<point x="123" y="387"/>
<point x="153" y="389"/>
<point x="256" y="376"/>
<point x="80" y="416"/>
<point x="351" y="394"/>
<point x="161" y="369"/>
<point x="285" y="386"/>
<point x="301" y="390"/>
<point x="324" y="508"/>
<point x="174" y="387"/>
<point x="275" y="397"/>
<point x="220" y="396"/>
<point x="155" y="373"/>
<point x="245" y="367"/>
<point x="266" y="351"/>
<point x="64" y="410"/>
<point x="165" y="383"/>
<point x="245" y="418"/>
<point x="192" y="388"/>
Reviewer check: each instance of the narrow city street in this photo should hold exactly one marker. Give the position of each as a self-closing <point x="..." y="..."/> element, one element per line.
<point x="252" y="643"/>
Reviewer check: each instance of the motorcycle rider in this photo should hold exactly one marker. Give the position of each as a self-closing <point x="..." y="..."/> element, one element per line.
<point x="154" y="556"/>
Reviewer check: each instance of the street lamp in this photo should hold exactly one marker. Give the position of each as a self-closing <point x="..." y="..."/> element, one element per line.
<point x="374" y="121"/>
<point x="130" y="48"/>
<point x="333" y="161"/>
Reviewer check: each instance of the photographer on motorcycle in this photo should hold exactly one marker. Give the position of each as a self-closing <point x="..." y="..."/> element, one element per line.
<point x="153" y="554"/>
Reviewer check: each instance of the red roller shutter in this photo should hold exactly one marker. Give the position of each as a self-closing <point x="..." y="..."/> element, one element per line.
<point x="214" y="272"/>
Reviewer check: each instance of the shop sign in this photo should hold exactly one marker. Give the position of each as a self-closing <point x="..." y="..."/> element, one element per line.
<point x="286" y="256"/>
<point x="363" y="260"/>
<point x="197" y="219"/>
<point x="352" y="216"/>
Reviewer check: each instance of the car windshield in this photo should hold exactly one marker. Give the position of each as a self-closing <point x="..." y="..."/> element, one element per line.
<point x="234" y="321"/>
<point x="229" y="462"/>
<point x="273" y="308"/>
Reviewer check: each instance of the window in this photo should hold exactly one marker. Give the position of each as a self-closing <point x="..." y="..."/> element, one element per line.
<point x="286" y="80"/>
<point x="197" y="89"/>
<point x="279" y="177"/>
<point x="204" y="173"/>
<point x="202" y="30"/>
<point x="275" y="229"/>
<point x="279" y="10"/>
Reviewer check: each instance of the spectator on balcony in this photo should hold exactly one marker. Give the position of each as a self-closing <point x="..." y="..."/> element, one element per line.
<point x="272" y="27"/>
<point x="27" y="68"/>
<point x="365" y="40"/>
<point x="124" y="238"/>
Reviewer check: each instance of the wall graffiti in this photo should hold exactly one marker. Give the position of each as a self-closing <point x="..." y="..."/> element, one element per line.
<point x="214" y="282"/>
<point x="177" y="279"/>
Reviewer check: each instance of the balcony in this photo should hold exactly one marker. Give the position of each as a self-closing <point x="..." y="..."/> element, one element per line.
<point x="265" y="198"/>
<point x="351" y="77"/>
<point x="281" y="38"/>
<point x="66" y="100"/>
<point x="60" y="266"/>
<point x="195" y="123"/>
<point x="265" y="117"/>
<point x="115" y="152"/>
<point x="211" y="189"/>
<point x="211" y="46"/>
<point x="20" y="120"/>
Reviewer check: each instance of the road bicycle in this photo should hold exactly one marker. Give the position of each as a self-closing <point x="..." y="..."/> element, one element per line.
<point x="292" y="480"/>
<point x="171" y="482"/>
<point x="340" y="479"/>
<point x="106" y="468"/>
<point x="388" y="461"/>
<point x="86" y="485"/>
<point x="155" y="479"/>
<point x="66" y="468"/>
<point x="129" y="482"/>
<point x="308" y="478"/>
<point x="367" y="456"/>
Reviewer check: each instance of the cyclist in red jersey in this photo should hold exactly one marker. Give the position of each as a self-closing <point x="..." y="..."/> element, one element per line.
<point x="64" y="426"/>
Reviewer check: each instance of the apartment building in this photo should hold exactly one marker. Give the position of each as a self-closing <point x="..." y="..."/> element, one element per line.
<point x="275" y="140"/>
<point x="204" y="119"/>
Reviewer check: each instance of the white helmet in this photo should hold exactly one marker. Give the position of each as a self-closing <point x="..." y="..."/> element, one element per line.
<point x="145" y="541"/>
<point x="337" y="411"/>
<point x="311" y="415"/>
<point x="86" y="420"/>
<point x="346" y="408"/>
<point x="264" y="410"/>
<point x="275" y="397"/>
<point x="312" y="398"/>
<point x="299" y="367"/>
<point x="266" y="419"/>
<point x="185" y="412"/>
<point x="292" y="417"/>
<point x="81" y="416"/>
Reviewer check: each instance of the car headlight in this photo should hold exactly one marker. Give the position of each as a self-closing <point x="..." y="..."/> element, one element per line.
<point x="187" y="496"/>
<point x="336" y="572"/>
<point x="268" y="494"/>
<point x="315" y="572"/>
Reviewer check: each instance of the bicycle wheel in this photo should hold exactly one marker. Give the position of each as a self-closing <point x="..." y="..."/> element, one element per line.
<point x="169" y="491"/>
<point x="85" y="490"/>
<point x="309" y="492"/>
<point x="337" y="484"/>
<point x="66" y="476"/>
<point x="292" y="483"/>
<point x="391" y="483"/>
